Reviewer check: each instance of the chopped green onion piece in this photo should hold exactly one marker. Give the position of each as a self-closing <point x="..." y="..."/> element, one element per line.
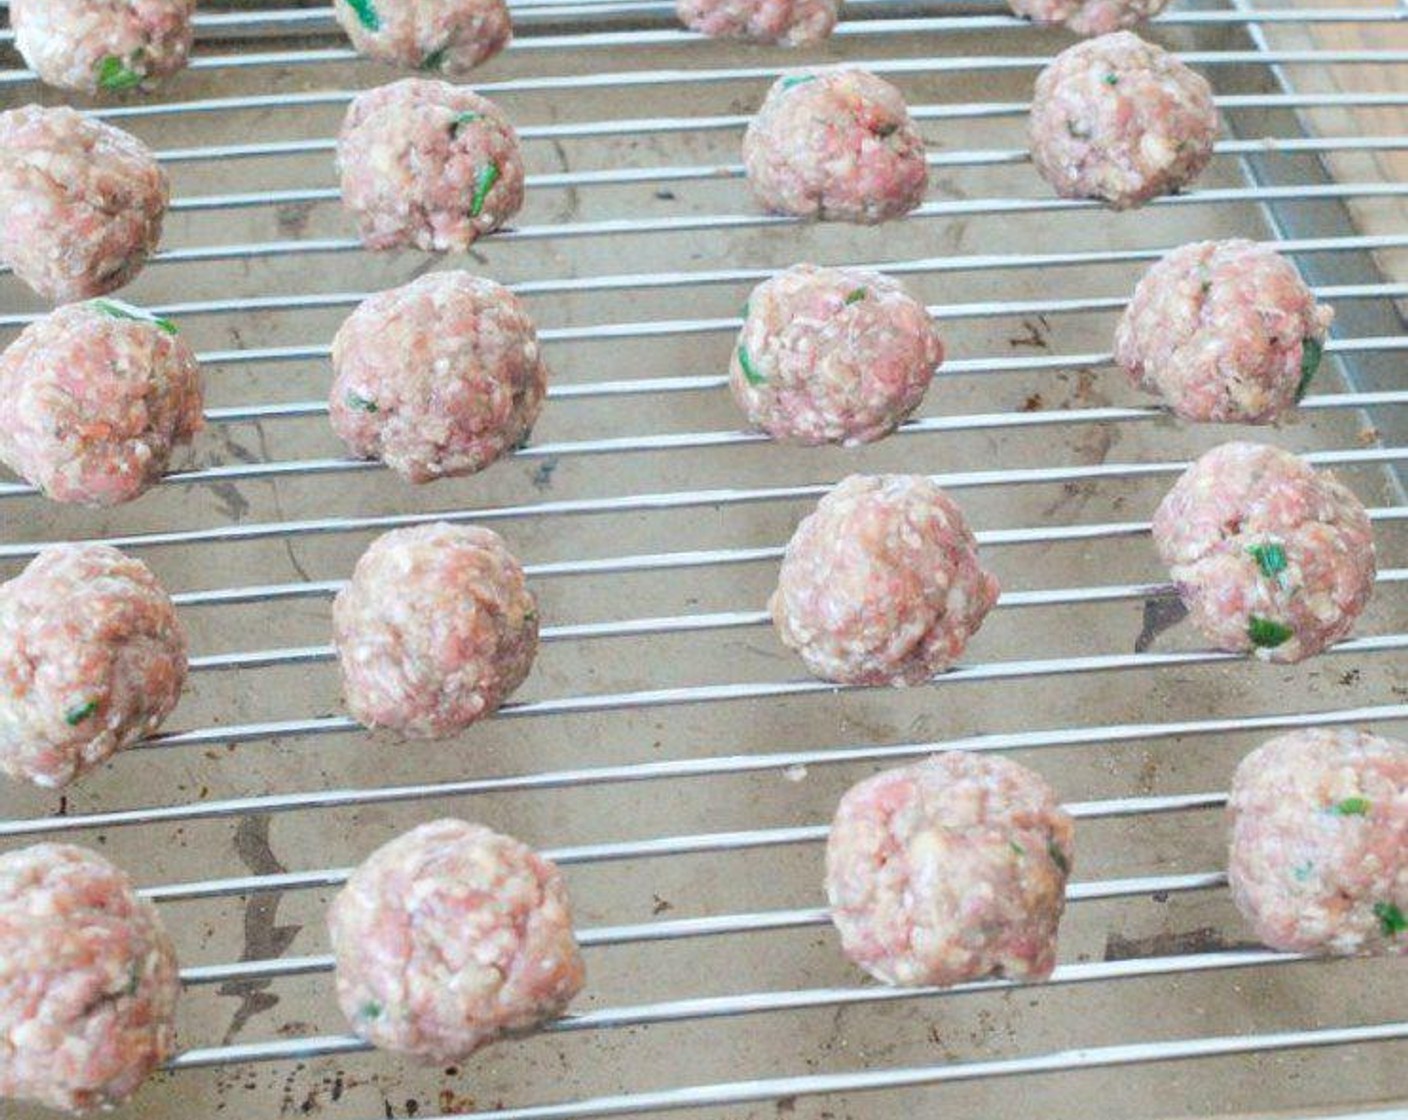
<point x="749" y="372"/>
<point x="1016" y="847"/>
<point x="134" y="978"/>
<point x="369" y="1010"/>
<point x="1351" y="807"/>
<point x="113" y="74"/>
<point x="797" y="80"/>
<point x="360" y="403"/>
<point x="463" y="119"/>
<point x="1058" y="857"/>
<point x="530" y="616"/>
<point x="76" y="715"/>
<point x="856" y="296"/>
<point x="366" y="12"/>
<point x="1301" y="872"/>
<point x="1270" y="558"/>
<point x="120" y="310"/>
<point x="433" y="60"/>
<point x="488" y="176"/>
<point x="1391" y="919"/>
<point x="1267" y="633"/>
<point x="1112" y="79"/>
<point x="1311" y="351"/>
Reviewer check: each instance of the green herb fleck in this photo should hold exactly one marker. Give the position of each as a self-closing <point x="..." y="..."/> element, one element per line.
<point x="487" y="177"/>
<point x="749" y="372"/>
<point x="76" y="715"/>
<point x="1017" y="848"/>
<point x="119" y="310"/>
<point x="1112" y="79"/>
<point x="434" y="59"/>
<point x="1267" y="633"/>
<point x="1270" y="558"/>
<point x="134" y="978"/>
<point x="1058" y="857"/>
<point x="1351" y="807"/>
<point x="462" y="119"/>
<point x="886" y="130"/>
<point x="856" y="296"/>
<point x="797" y="80"/>
<point x="366" y="12"/>
<point x="530" y="616"/>
<point x="114" y="75"/>
<point x="369" y="1010"/>
<point x="1311" y="351"/>
<point x="360" y="403"/>
<point x="1301" y="872"/>
<point x="1391" y="919"/>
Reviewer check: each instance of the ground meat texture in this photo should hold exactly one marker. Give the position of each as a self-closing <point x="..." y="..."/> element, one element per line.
<point x="1089" y="17"/>
<point x="88" y="980"/>
<point x="950" y="870"/>
<point x="1223" y="331"/>
<point x="1269" y="555"/>
<point x="835" y="144"/>
<point x="832" y="355"/>
<point x="1319" y="843"/>
<point x="93" y="400"/>
<point x="1119" y="119"/>
<point x="437" y="378"/>
<point x="92" y="659"/>
<point x="112" y="45"/>
<point x="450" y="937"/>
<point x="428" y="164"/>
<point x="793" y="22"/>
<point x="438" y="36"/>
<point x="81" y="202"/>
<point x="435" y="629"/>
<point x="881" y="583"/>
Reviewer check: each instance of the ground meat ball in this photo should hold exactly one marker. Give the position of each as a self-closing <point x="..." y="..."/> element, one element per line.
<point x="793" y="22"/>
<point x="92" y="45"/>
<point x="437" y="378"/>
<point x="436" y="628"/>
<point x="835" y="144"/>
<point x="1269" y="555"/>
<point x="1089" y="17"/>
<point x="81" y="202"/>
<point x="450" y="937"/>
<point x="832" y="355"/>
<point x="92" y="659"/>
<point x="93" y="400"/>
<point x="881" y="584"/>
<point x="1224" y="331"/>
<point x="88" y="980"/>
<point x="428" y="164"/>
<point x="1122" y="120"/>
<point x="950" y="870"/>
<point x="1319" y="851"/>
<point x="439" y="36"/>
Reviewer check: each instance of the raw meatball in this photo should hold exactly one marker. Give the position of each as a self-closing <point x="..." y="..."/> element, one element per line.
<point x="436" y="628"/>
<point x="1089" y="17"/>
<point x="1224" y="331"/>
<point x="441" y="36"/>
<point x="1319" y="853"/>
<point x="450" y="937"/>
<point x="835" y="144"/>
<point x="94" y="398"/>
<point x="881" y="584"/>
<point x="88" y="980"/>
<point x="833" y="355"/>
<point x="1269" y="555"/>
<point x="428" y="164"/>
<point x="437" y="378"/>
<point x="1122" y="120"/>
<point x="793" y="22"/>
<point x="950" y="870"/>
<point x="92" y="659"/>
<point x="81" y="202"/>
<point x="88" y="45"/>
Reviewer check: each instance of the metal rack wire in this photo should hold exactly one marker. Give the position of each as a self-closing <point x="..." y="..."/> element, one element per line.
<point x="658" y="550"/>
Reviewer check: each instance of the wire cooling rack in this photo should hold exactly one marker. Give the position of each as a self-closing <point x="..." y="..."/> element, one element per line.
<point x="666" y="751"/>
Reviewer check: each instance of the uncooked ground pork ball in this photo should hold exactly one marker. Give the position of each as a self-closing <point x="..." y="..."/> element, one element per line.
<point x="91" y="45"/>
<point x="92" y="659"/>
<point x="1122" y="120"/>
<point x="450" y="937"/>
<point x="1319" y="852"/>
<point x="950" y="870"/>
<point x="81" y="202"/>
<point x="793" y="22"/>
<point x="439" y="36"/>
<point x="1089" y="17"/>
<point x="1269" y="555"/>
<point x="437" y="378"/>
<point x="833" y="355"/>
<point x="835" y="144"/>
<point x="428" y="164"/>
<point x="1224" y="331"/>
<point x="435" y="629"/>
<point x="88" y="980"/>
<point x="94" y="397"/>
<point x="881" y="583"/>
